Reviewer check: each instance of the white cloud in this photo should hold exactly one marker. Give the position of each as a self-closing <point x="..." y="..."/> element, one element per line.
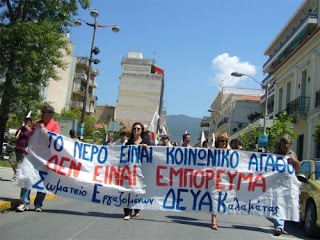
<point x="223" y="65"/>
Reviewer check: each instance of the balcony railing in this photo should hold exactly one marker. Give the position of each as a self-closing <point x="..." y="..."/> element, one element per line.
<point x="300" y="104"/>
<point x="225" y="120"/>
<point x="317" y="102"/>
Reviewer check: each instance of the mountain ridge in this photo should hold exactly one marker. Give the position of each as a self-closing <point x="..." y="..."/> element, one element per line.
<point x="179" y="124"/>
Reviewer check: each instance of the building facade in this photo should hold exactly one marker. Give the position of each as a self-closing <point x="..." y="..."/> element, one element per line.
<point x="58" y="93"/>
<point x="294" y="76"/>
<point x="68" y="91"/>
<point x="79" y="85"/>
<point x="230" y="110"/>
<point x="140" y="91"/>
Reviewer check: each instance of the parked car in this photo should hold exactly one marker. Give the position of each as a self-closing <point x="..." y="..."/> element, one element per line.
<point x="309" y="175"/>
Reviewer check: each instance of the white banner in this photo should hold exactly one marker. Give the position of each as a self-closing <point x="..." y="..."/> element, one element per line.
<point x="162" y="178"/>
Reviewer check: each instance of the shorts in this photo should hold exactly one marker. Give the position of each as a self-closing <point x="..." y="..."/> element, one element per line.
<point x="16" y="157"/>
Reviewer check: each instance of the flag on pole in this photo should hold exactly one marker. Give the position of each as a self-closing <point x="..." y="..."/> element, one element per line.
<point x="203" y="138"/>
<point x="153" y="126"/>
<point x="213" y="140"/>
<point x="164" y="131"/>
<point x="29" y="115"/>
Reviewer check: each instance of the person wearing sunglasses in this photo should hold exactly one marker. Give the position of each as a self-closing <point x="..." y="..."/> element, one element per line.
<point x="49" y="124"/>
<point x="221" y="142"/>
<point x="136" y="138"/>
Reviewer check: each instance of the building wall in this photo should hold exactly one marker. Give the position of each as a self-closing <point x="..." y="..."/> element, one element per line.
<point x="104" y="113"/>
<point x="57" y="93"/>
<point x="305" y="58"/>
<point x="233" y="109"/>
<point x="139" y="92"/>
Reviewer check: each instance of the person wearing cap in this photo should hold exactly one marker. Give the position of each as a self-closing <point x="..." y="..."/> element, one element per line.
<point x="221" y="142"/>
<point x="21" y="135"/>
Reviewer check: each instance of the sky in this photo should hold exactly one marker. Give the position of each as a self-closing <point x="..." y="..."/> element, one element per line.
<point x="198" y="44"/>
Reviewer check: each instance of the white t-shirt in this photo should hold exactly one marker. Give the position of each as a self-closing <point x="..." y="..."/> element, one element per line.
<point x="120" y="143"/>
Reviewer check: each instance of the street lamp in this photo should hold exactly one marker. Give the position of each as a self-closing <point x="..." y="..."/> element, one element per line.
<point x="93" y="50"/>
<point x="211" y="110"/>
<point x="266" y="86"/>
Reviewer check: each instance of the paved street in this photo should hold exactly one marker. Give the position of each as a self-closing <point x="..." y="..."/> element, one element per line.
<point x="70" y="219"/>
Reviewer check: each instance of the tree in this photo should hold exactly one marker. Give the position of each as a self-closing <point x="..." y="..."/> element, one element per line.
<point x="89" y="121"/>
<point x="32" y="42"/>
<point x="254" y="116"/>
<point x="316" y="135"/>
<point x="249" y="137"/>
<point x="282" y="125"/>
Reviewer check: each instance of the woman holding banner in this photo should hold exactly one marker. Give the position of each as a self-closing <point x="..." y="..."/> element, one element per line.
<point x="221" y="142"/>
<point x="136" y="138"/>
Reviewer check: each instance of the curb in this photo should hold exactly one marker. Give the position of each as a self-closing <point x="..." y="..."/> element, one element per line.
<point x="13" y="203"/>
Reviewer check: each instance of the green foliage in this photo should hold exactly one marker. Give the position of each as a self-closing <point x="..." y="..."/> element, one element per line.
<point x="89" y="121"/>
<point x="249" y="137"/>
<point x="281" y="126"/>
<point x="253" y="116"/>
<point x="32" y="40"/>
<point x="316" y="135"/>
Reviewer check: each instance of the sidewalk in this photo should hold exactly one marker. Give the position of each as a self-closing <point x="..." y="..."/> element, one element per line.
<point x="10" y="192"/>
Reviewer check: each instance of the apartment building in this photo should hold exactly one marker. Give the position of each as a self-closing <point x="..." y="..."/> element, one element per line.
<point x="79" y="85"/>
<point x="294" y="77"/>
<point x="140" y="91"/>
<point x="230" y="110"/>
<point x="68" y="91"/>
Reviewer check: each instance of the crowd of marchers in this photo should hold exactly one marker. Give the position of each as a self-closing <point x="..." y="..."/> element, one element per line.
<point x="138" y="136"/>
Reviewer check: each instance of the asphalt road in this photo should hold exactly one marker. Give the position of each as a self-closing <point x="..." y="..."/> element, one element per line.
<point x="67" y="219"/>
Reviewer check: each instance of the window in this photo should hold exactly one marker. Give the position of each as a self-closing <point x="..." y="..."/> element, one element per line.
<point x="305" y="169"/>
<point x="288" y="92"/>
<point x="280" y="100"/>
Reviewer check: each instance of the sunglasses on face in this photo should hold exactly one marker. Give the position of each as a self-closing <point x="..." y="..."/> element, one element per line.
<point x="137" y="129"/>
<point x="43" y="112"/>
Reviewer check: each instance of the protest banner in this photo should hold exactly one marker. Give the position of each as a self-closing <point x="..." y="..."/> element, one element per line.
<point x="162" y="178"/>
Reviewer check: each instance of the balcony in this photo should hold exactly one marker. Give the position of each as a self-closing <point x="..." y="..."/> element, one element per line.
<point x="291" y="42"/>
<point x="82" y="76"/>
<point x="78" y="104"/>
<point x="317" y="101"/>
<point x="299" y="105"/>
<point x="93" y="83"/>
<point x="84" y="61"/>
<point x="224" y="120"/>
<point x="78" y="90"/>
<point x="205" y="122"/>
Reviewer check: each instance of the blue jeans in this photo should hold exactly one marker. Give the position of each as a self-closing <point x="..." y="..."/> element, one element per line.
<point x="278" y="223"/>
<point x="25" y="197"/>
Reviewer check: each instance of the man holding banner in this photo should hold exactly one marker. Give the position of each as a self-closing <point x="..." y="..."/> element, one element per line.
<point x="49" y="124"/>
<point x="284" y="149"/>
